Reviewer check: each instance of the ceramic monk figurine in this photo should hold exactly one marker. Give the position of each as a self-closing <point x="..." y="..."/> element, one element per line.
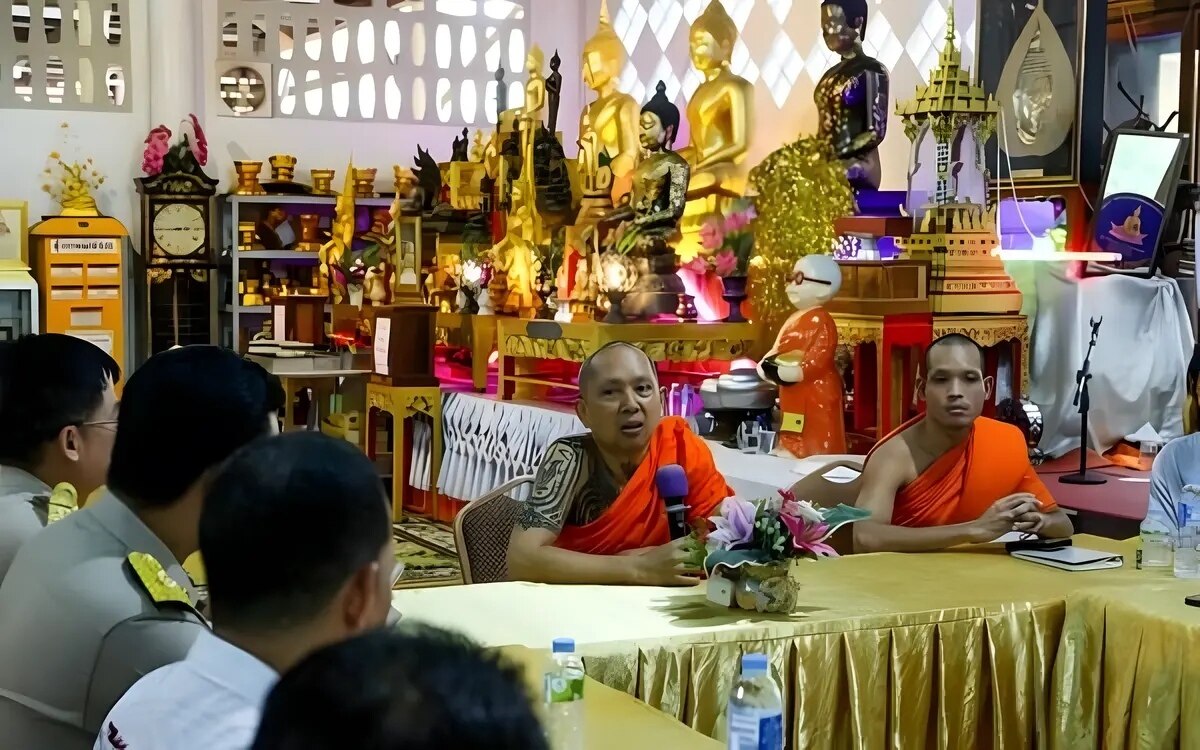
<point x="802" y="363"/>
<point x="613" y="117"/>
<point x="852" y="96"/>
<point x="720" y="112"/>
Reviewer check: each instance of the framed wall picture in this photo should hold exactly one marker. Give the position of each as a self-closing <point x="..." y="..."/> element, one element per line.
<point x="14" y="235"/>
<point x="1038" y="64"/>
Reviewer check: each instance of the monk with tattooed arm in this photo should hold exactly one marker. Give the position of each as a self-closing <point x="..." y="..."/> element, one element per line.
<point x="595" y="515"/>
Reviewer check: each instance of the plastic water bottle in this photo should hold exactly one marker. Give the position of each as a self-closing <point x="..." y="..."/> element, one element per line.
<point x="1186" y="540"/>
<point x="1155" y="549"/>
<point x="563" y="697"/>
<point x="755" y="708"/>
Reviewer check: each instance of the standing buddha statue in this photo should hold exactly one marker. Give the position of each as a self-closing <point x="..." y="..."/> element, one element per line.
<point x="613" y="116"/>
<point x="852" y="96"/>
<point x="721" y="116"/>
<point x="535" y="99"/>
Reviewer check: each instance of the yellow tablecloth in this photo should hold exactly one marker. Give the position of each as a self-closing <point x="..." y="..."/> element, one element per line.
<point x="1128" y="668"/>
<point x="951" y="650"/>
<point x="612" y="719"/>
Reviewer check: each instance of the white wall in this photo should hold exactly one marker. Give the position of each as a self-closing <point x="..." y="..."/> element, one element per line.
<point x="115" y="141"/>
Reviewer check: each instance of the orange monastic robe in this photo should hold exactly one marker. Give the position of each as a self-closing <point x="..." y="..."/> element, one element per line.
<point x="638" y="517"/>
<point x="960" y="485"/>
<point x="812" y="408"/>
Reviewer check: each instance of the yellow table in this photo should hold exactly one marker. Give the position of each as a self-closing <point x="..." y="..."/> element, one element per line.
<point x="403" y="403"/>
<point x="522" y="342"/>
<point x="1128" y="668"/>
<point x="322" y="382"/>
<point x="612" y="719"/>
<point x="950" y="650"/>
<point x="477" y="332"/>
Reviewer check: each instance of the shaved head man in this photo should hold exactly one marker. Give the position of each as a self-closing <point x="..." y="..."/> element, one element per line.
<point x="596" y="515"/>
<point x="951" y="476"/>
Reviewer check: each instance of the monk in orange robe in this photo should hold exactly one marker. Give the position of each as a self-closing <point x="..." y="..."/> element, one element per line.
<point x="595" y="514"/>
<point x="950" y="476"/>
<point x="802" y="363"/>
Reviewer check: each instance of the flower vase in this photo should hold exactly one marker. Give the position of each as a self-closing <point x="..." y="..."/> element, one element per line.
<point x="735" y="295"/>
<point x="758" y="588"/>
<point x="356" y="295"/>
<point x="484" y="299"/>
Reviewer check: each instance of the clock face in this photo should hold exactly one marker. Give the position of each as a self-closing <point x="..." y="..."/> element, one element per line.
<point x="180" y="230"/>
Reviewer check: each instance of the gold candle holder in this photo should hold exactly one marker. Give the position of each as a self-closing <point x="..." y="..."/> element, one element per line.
<point x="322" y="181"/>
<point x="247" y="177"/>
<point x="310" y="234"/>
<point x="283" y="168"/>
<point x="246" y="232"/>
<point x="364" y="183"/>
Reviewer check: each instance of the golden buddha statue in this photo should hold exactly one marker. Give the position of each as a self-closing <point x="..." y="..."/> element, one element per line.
<point x="721" y="115"/>
<point x="535" y="98"/>
<point x="515" y="257"/>
<point x="613" y="117"/>
<point x="721" y="110"/>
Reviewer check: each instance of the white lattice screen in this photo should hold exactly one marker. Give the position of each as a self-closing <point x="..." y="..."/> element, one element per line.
<point x="64" y="54"/>
<point x="780" y="50"/>
<point x="428" y="61"/>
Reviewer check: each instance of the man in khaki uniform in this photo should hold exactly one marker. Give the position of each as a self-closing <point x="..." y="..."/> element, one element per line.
<point x="100" y="598"/>
<point x="58" y="410"/>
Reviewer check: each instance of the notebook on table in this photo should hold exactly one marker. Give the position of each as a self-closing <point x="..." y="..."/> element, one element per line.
<point x="1072" y="558"/>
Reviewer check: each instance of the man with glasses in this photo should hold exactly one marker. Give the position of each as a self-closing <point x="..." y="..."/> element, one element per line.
<point x="100" y="598"/>
<point x="58" y="409"/>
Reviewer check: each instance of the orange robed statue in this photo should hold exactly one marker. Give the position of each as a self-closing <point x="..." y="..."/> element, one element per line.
<point x="950" y="476"/>
<point x="595" y="515"/>
<point x="802" y="363"/>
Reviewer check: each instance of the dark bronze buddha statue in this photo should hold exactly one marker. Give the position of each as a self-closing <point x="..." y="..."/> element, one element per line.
<point x="852" y="96"/>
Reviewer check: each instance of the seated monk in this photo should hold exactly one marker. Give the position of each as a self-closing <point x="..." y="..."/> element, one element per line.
<point x="595" y="515"/>
<point x="950" y="476"/>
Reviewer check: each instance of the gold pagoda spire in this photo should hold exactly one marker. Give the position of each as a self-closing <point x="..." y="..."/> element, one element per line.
<point x="605" y="18"/>
<point x="951" y="58"/>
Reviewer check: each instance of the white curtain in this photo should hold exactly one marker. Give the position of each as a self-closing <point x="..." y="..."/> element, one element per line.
<point x="1139" y="365"/>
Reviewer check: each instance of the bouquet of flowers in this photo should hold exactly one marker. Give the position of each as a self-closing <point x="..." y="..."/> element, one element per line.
<point x="770" y="531"/>
<point x="188" y="154"/>
<point x="729" y="241"/>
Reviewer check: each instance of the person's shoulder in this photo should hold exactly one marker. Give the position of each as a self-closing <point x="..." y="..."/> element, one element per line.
<point x="1002" y="434"/>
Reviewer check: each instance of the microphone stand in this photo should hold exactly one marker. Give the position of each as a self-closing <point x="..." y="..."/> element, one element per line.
<point x="1084" y="402"/>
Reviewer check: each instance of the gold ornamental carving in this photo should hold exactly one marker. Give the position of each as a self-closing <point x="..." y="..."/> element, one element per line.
<point x="571" y="350"/>
<point x="400" y="404"/>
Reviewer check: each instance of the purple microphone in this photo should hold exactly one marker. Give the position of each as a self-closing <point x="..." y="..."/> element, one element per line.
<point x="672" y="484"/>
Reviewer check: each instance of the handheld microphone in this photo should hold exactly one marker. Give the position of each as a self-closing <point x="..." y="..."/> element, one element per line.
<point x="672" y="484"/>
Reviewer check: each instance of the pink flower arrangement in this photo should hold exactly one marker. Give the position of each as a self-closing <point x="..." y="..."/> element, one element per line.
<point x="771" y="530"/>
<point x="199" y="144"/>
<point x="188" y="154"/>
<point x="158" y="143"/>
<point x="729" y="240"/>
<point x="712" y="234"/>
<point x="697" y="265"/>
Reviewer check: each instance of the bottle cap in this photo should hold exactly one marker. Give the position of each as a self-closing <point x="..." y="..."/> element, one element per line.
<point x="754" y="663"/>
<point x="563" y="646"/>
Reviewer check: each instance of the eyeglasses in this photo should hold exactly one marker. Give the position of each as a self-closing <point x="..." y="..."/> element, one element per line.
<point x="105" y="424"/>
<point x="800" y="278"/>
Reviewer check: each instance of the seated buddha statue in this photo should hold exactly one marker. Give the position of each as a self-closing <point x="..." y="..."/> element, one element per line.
<point x="852" y="96"/>
<point x="720" y="112"/>
<point x="649" y="215"/>
<point x="613" y="117"/>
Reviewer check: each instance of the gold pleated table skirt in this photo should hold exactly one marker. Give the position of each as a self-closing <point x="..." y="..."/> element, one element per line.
<point x="951" y="650"/>
<point x="1128" y="668"/>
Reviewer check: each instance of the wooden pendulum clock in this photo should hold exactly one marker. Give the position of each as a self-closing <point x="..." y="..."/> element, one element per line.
<point x="180" y="236"/>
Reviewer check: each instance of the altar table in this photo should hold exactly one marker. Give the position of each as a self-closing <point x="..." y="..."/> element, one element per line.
<point x="948" y="650"/>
